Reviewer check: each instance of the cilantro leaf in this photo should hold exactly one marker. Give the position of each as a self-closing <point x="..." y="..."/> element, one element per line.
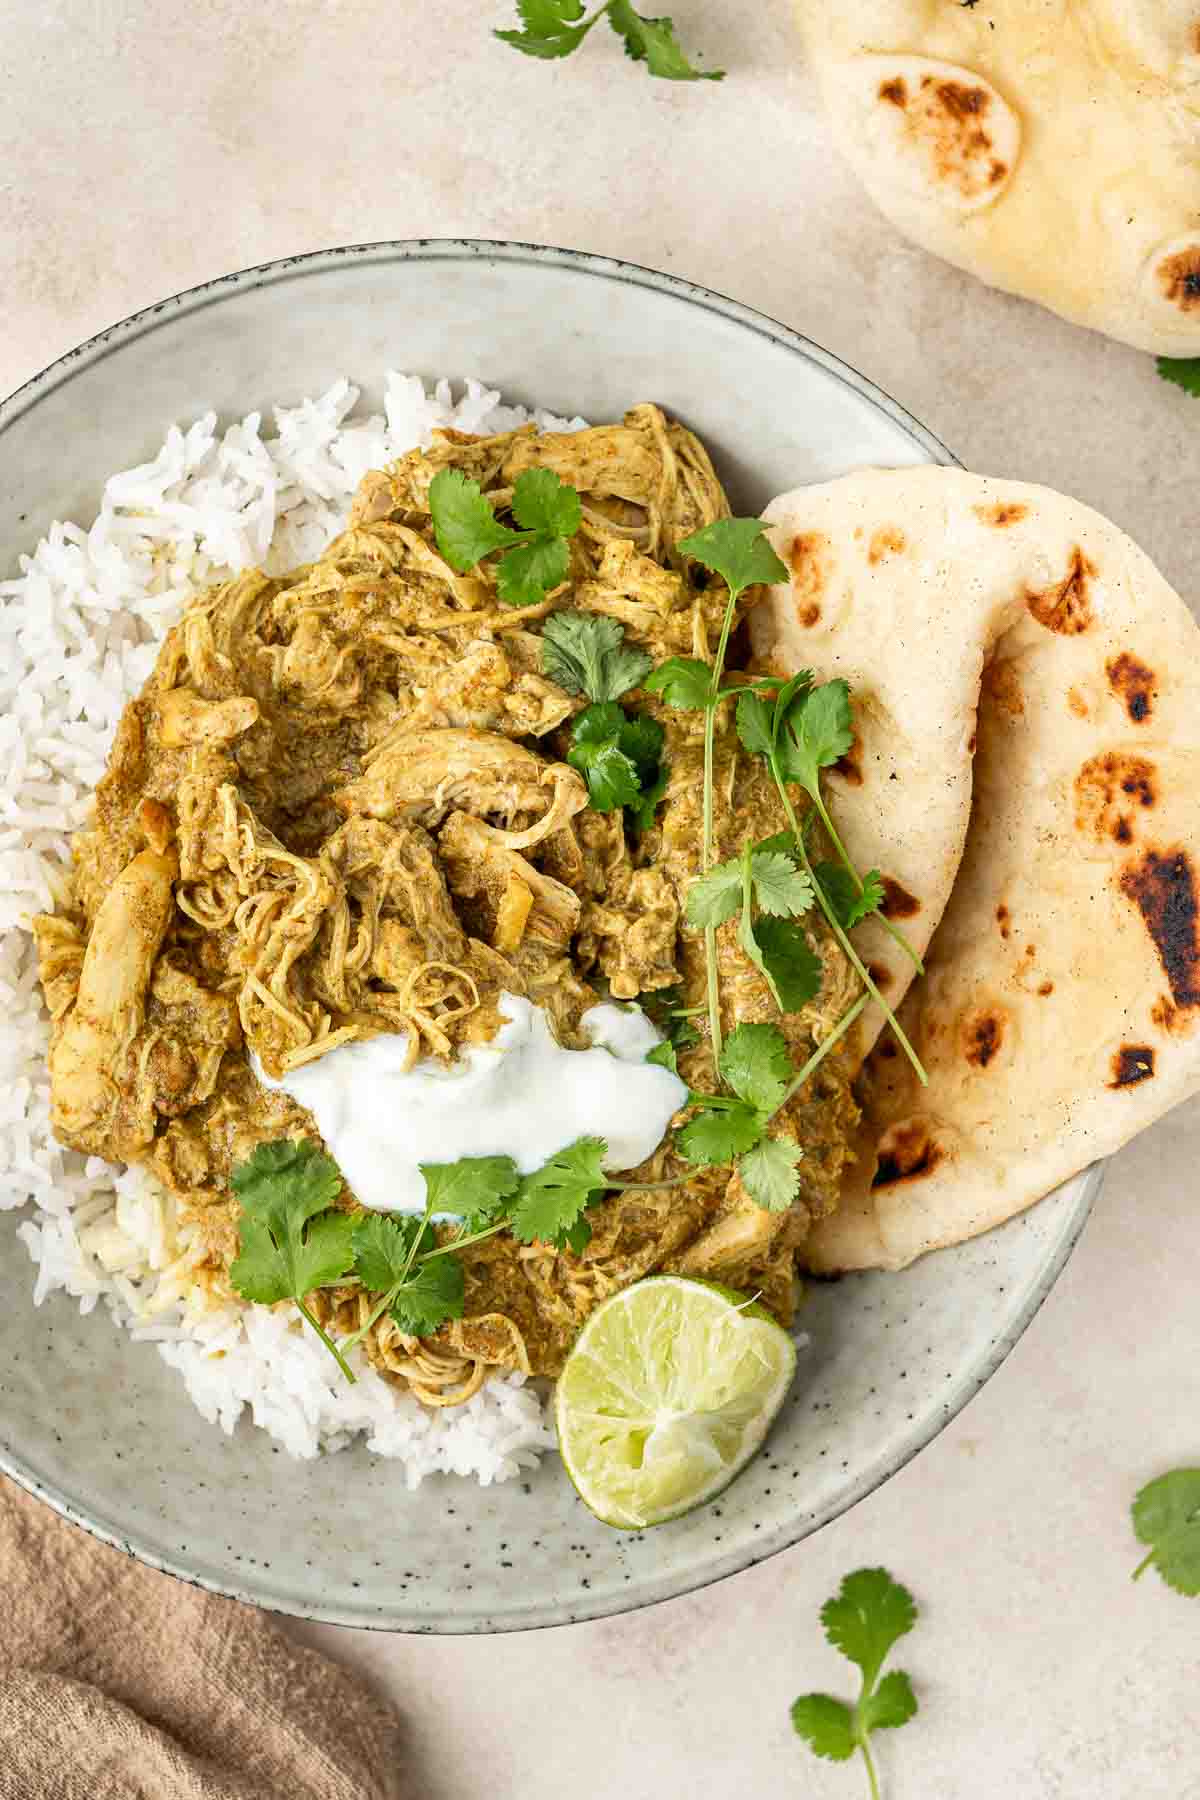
<point x="737" y="550"/>
<point x="720" y="1135"/>
<point x="757" y="1066"/>
<point x="585" y="654"/>
<point x="779" y="886"/>
<point x="611" y="776"/>
<point x="826" y="1725"/>
<point x="1184" y="371"/>
<point x="653" y="42"/>
<point x="1166" y="1516"/>
<point x="527" y="574"/>
<point x="791" y="967"/>
<point x="384" y="1246"/>
<point x="663" y="1056"/>
<point x="432" y="1294"/>
<point x="893" y="1703"/>
<point x="816" y="731"/>
<point x="864" y="1620"/>
<point x="543" y="502"/>
<point x="473" y="1184"/>
<point x="642" y="810"/>
<point x="553" y="1199"/>
<point x="618" y="756"/>
<point x="717" y="896"/>
<point x="682" y="681"/>
<point x="291" y="1241"/>
<point x="768" y="1173"/>
<point x="464" y="524"/>
<point x="869" y="1614"/>
<point x="842" y="892"/>
<point x="755" y="717"/>
<point x="549" y="29"/>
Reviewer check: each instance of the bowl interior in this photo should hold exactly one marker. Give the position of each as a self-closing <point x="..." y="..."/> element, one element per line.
<point x="100" y="1426"/>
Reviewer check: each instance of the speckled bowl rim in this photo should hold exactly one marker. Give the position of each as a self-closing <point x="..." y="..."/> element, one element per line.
<point x="106" y="343"/>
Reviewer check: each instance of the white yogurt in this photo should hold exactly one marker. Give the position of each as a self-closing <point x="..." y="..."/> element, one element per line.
<point x="522" y="1095"/>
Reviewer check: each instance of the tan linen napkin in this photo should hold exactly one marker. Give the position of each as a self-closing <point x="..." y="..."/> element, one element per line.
<point x="118" y="1683"/>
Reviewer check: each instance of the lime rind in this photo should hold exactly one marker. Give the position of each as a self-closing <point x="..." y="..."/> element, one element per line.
<point x="670" y="1389"/>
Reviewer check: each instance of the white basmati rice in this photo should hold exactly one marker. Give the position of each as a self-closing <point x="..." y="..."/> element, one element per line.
<point x="79" y="633"/>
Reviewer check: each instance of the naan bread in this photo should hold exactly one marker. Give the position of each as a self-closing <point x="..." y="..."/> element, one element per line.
<point x="1051" y="147"/>
<point x="1034" y="651"/>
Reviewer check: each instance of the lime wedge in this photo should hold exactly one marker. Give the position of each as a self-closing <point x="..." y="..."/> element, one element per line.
<point x="668" y="1391"/>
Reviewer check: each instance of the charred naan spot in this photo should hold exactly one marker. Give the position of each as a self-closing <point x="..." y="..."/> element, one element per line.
<point x="1046" y="989"/>
<point x="849" y="766"/>
<point x="1133" y="683"/>
<point x="889" y="540"/>
<point x="1164" y="1014"/>
<point x="1163" y="888"/>
<point x="1002" y="685"/>
<point x="881" y="975"/>
<point x="982" y="1036"/>
<point x="1004" y="921"/>
<point x="1066" y="607"/>
<point x="906" y="1152"/>
<point x="1130" y="1064"/>
<point x="888" y="1050"/>
<point x="1002" y="514"/>
<point x="949" y="122"/>
<point x="897" y="902"/>
<point x="1179" y="278"/>
<point x="1107" y="789"/>
<point x="809" y="560"/>
<point x="1077" y="703"/>
<point x="895" y="92"/>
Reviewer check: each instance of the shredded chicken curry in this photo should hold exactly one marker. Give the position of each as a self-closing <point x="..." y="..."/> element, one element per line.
<point x="341" y="806"/>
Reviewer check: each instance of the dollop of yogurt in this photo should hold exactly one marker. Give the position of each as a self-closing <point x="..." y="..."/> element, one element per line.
<point x="522" y="1095"/>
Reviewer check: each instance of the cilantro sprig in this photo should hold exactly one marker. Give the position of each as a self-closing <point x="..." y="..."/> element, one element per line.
<point x="867" y="1617"/>
<point x="619" y="757"/>
<point x="805" y="729"/>
<point x="552" y="29"/>
<point x="737" y="551"/>
<point x="1166" y="1517"/>
<point x="293" y="1238"/>
<point x="756" y="1065"/>
<point x="776" y="946"/>
<point x="536" y="558"/>
<point x="1184" y="371"/>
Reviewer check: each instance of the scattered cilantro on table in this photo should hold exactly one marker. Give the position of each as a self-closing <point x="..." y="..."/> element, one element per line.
<point x="869" y="1614"/>
<point x="536" y="557"/>
<point x="1166" y="1517"/>
<point x="1184" y="371"/>
<point x="551" y="29"/>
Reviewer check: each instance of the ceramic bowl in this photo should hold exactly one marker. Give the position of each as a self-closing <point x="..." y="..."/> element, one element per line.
<point x="99" y="1426"/>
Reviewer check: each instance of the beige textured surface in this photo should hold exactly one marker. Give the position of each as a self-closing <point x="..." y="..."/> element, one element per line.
<point x="144" y="147"/>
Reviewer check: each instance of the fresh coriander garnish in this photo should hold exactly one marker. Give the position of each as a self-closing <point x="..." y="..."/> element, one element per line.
<point x="737" y="551"/>
<point x="777" y="947"/>
<point x="536" y="558"/>
<point x="1184" y="371"/>
<point x="554" y="28"/>
<point x="870" y="1613"/>
<point x="619" y="757"/>
<point x="551" y="1203"/>
<point x="804" y="730"/>
<point x="586" y="653"/>
<point x="293" y="1239"/>
<point x="1166" y="1516"/>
